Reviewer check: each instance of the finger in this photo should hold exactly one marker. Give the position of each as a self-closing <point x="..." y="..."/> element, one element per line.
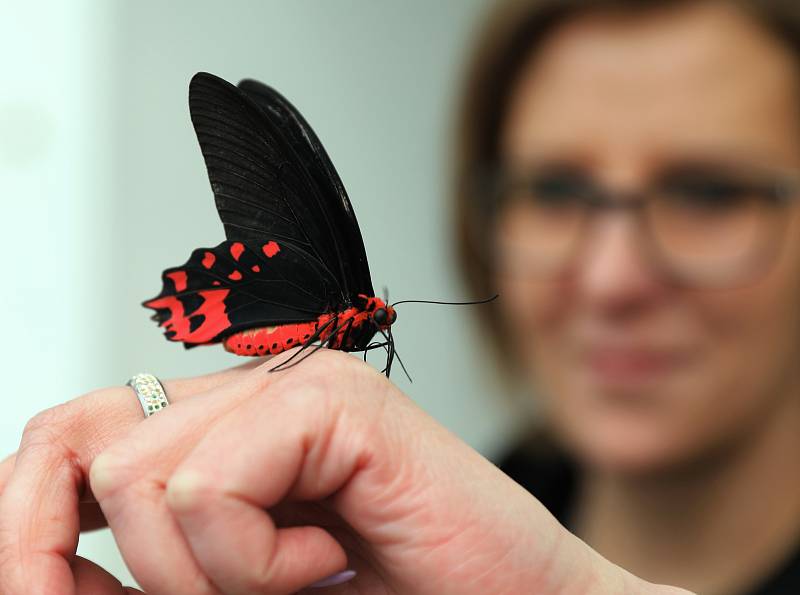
<point x="38" y="543"/>
<point x="259" y="454"/>
<point x="6" y="467"/>
<point x="39" y="506"/>
<point x="128" y="481"/>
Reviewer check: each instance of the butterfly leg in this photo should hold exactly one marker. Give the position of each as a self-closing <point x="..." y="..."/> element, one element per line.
<point x="317" y="334"/>
<point x="327" y="342"/>
<point x="374" y="345"/>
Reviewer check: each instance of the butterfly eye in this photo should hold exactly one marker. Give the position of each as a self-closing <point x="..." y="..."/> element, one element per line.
<point x="380" y="316"/>
<point x="392" y="317"/>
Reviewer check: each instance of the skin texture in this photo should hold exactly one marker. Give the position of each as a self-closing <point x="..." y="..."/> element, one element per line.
<point x="625" y="98"/>
<point x="252" y="482"/>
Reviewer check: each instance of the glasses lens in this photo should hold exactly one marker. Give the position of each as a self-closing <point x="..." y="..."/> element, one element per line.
<point x="714" y="231"/>
<point x="537" y="223"/>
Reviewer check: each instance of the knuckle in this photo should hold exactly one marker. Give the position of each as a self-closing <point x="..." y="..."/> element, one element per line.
<point x="108" y="473"/>
<point x="46" y="435"/>
<point x="335" y="386"/>
<point x="67" y="420"/>
<point x="188" y="491"/>
<point x="47" y="421"/>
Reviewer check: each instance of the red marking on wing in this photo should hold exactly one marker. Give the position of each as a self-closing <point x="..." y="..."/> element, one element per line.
<point x="271" y="248"/>
<point x="256" y="268"/>
<point x="179" y="278"/>
<point x="236" y="250"/>
<point x="235" y="276"/>
<point x="208" y="260"/>
<point x="215" y="283"/>
<point x="213" y="308"/>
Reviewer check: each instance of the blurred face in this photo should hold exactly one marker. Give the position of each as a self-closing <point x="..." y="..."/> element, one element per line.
<point x="640" y="372"/>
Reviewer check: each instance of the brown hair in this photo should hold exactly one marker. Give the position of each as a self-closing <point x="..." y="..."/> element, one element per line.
<point x="509" y="34"/>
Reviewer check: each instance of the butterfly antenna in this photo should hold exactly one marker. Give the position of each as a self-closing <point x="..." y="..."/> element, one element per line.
<point x="486" y="301"/>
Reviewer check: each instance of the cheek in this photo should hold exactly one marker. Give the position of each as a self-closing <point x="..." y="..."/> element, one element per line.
<point x="755" y="332"/>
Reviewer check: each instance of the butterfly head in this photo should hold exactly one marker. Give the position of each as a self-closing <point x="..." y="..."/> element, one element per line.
<point x="384" y="317"/>
<point x="380" y="313"/>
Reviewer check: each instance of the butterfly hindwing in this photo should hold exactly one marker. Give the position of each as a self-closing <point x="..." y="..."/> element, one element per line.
<point x="240" y="285"/>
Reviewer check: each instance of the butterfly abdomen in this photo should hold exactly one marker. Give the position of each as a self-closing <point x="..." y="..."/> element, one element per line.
<point x="341" y="330"/>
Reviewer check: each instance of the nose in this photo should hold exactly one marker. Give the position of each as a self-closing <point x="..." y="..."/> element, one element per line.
<point x="617" y="271"/>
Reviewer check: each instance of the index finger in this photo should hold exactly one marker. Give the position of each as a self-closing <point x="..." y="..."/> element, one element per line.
<point x="39" y="506"/>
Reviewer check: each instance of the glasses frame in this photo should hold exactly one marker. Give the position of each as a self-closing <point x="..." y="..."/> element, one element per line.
<point x="778" y="191"/>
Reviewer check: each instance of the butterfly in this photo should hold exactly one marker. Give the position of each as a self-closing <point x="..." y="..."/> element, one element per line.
<point x="293" y="269"/>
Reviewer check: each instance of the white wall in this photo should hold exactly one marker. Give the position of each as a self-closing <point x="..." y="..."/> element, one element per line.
<point x="103" y="185"/>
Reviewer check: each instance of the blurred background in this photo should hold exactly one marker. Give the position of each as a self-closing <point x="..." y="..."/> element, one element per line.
<point x="103" y="185"/>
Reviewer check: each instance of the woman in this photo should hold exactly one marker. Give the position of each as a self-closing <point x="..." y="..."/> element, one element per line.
<point x="665" y="361"/>
<point x="661" y="331"/>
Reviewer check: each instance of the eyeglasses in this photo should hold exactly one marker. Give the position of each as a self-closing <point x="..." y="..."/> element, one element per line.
<point x="703" y="228"/>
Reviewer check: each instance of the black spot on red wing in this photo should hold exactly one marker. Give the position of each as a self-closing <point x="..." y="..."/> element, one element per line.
<point x="195" y="322"/>
<point x="274" y="345"/>
<point x="289" y="340"/>
<point x="191" y="302"/>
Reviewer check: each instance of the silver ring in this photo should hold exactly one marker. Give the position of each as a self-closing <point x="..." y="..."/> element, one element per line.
<point x="150" y="393"/>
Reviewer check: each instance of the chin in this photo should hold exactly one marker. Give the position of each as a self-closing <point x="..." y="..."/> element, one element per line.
<point x="628" y="447"/>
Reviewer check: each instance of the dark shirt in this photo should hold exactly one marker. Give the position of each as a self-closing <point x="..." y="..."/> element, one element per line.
<point x="552" y="478"/>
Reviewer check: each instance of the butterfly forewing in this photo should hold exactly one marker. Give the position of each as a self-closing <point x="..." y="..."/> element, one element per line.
<point x="271" y="176"/>
<point x="319" y="168"/>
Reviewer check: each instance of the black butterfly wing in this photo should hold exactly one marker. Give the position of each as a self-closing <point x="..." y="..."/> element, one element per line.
<point x="274" y="186"/>
<point x="324" y="177"/>
<point x="241" y="285"/>
<point x="271" y="177"/>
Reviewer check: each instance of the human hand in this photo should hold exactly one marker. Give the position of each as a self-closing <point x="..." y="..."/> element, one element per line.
<point x="44" y="496"/>
<point x="264" y="483"/>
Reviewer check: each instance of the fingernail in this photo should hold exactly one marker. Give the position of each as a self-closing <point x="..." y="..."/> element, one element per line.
<point x="334" y="579"/>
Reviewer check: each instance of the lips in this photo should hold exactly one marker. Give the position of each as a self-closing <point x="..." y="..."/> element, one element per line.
<point x="625" y="366"/>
